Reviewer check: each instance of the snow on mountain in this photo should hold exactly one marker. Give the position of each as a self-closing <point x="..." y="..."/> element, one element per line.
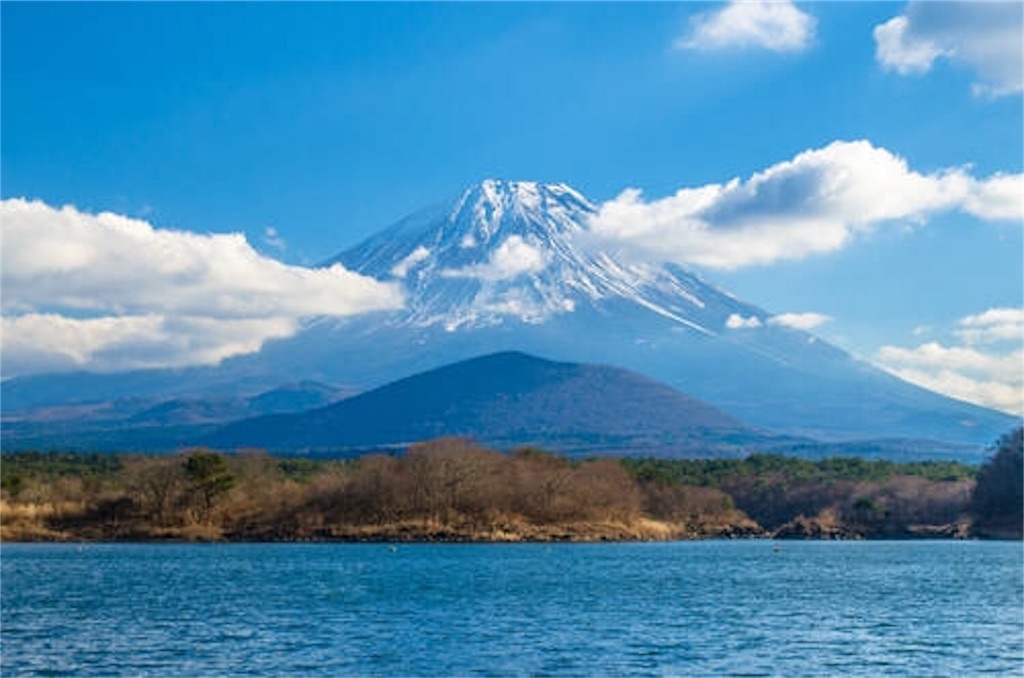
<point x="509" y="251"/>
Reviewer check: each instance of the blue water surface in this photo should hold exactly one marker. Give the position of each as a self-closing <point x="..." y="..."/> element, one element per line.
<point x="690" y="608"/>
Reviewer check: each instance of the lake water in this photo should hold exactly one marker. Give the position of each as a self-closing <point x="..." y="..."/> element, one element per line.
<point x="691" y="608"/>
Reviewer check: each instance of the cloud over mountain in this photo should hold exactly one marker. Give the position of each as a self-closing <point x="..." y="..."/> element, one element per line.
<point x="818" y="202"/>
<point x="515" y="256"/>
<point x="796" y="321"/>
<point x="993" y="326"/>
<point x="744" y="24"/>
<point x="800" y="321"/>
<point x="986" y="368"/>
<point x="116" y="292"/>
<point x="985" y="37"/>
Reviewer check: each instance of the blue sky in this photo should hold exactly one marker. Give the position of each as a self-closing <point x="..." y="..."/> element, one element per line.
<point x="308" y="127"/>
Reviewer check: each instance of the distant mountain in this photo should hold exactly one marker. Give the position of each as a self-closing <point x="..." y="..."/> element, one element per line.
<point x="508" y="266"/>
<point x="140" y="424"/>
<point x="287" y="398"/>
<point x="507" y="399"/>
<point x="295" y="397"/>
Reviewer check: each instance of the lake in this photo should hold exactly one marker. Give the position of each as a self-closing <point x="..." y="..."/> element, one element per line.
<point x="712" y="607"/>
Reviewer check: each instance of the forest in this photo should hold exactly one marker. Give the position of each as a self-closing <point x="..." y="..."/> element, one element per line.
<point x="452" y="489"/>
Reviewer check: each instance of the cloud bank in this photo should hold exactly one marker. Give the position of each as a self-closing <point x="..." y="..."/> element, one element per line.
<point x="987" y="367"/>
<point x="985" y="37"/>
<point x="816" y="203"/>
<point x="744" y="24"/>
<point x="111" y="292"/>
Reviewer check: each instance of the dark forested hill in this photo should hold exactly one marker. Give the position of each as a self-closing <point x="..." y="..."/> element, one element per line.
<point x="505" y="398"/>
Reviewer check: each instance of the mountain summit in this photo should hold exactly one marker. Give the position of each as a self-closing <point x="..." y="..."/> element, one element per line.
<point x="508" y="251"/>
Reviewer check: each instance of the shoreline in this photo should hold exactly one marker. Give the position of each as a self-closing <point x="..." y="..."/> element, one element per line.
<point x="538" y="534"/>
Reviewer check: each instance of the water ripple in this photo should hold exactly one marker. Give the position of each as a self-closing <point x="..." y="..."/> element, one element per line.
<point x="723" y="608"/>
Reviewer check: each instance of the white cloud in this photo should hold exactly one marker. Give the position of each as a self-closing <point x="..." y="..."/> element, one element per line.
<point x="512" y="258"/>
<point x="36" y="342"/>
<point x="797" y="321"/>
<point x="954" y="358"/>
<point x="813" y="204"/>
<point x="738" y="322"/>
<point x="980" y="391"/>
<point x="800" y="321"/>
<point x="108" y="292"/>
<point x="992" y="326"/>
<point x="775" y="25"/>
<point x="993" y="376"/>
<point x="401" y="269"/>
<point x="983" y="36"/>
<point x="998" y="198"/>
<point x="904" y="54"/>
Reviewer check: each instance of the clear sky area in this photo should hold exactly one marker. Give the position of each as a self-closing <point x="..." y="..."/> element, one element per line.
<point x="854" y="166"/>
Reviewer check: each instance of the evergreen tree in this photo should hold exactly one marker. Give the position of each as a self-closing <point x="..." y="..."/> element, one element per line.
<point x="998" y="500"/>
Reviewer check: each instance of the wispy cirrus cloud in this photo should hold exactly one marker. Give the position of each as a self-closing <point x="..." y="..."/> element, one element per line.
<point x="987" y="368"/>
<point x="816" y="203"/>
<point x="986" y="37"/>
<point x="111" y="292"/>
<point x="776" y="26"/>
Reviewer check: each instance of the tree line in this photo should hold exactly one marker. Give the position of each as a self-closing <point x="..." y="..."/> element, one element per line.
<point x="453" y="489"/>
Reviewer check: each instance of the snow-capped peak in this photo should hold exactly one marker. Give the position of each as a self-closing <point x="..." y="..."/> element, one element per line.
<point x="523" y="195"/>
<point x="509" y="251"/>
<point x="556" y="206"/>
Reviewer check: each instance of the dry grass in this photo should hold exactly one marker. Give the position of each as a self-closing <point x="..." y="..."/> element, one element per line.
<point x="511" y="529"/>
<point x="28" y="522"/>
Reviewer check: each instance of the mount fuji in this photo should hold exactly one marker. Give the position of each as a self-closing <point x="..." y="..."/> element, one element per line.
<point x="511" y="266"/>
